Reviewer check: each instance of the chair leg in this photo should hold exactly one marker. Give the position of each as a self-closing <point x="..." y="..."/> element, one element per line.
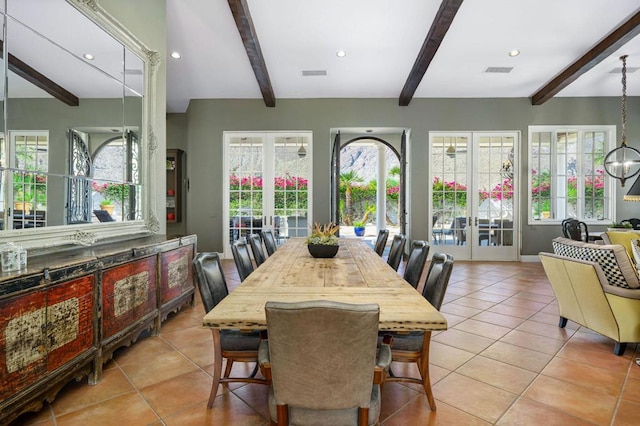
<point x="563" y="322"/>
<point x="282" y="412"/>
<point x="255" y="371"/>
<point x="363" y="416"/>
<point x="228" y="367"/>
<point x="619" y="348"/>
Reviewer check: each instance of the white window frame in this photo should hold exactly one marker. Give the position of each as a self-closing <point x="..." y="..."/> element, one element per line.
<point x="610" y="209"/>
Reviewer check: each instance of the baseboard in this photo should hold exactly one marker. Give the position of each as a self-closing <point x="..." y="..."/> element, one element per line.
<point x="530" y="258"/>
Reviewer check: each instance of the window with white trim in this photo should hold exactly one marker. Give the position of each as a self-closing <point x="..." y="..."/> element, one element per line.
<point x="566" y="173"/>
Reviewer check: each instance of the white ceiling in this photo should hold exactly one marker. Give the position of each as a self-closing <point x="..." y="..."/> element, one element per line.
<point x="382" y="39"/>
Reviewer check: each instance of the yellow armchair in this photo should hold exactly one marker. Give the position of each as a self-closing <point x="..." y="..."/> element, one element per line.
<point x="581" y="278"/>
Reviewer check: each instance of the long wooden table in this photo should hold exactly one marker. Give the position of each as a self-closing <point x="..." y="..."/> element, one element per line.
<point x="356" y="275"/>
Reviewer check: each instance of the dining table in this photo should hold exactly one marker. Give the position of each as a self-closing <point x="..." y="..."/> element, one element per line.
<point x="357" y="274"/>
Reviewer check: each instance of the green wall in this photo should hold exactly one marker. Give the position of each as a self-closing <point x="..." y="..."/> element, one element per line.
<point x="207" y="119"/>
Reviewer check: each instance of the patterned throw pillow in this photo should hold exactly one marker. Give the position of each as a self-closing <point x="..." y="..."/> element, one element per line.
<point x="613" y="260"/>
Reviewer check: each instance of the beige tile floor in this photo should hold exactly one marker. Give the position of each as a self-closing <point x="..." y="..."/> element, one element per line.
<point x="503" y="361"/>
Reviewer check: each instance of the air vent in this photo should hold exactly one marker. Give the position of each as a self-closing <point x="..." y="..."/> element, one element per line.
<point x="619" y="70"/>
<point x="503" y="70"/>
<point x="314" y="73"/>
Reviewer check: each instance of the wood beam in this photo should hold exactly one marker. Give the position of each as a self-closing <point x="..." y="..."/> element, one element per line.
<point x="439" y="28"/>
<point x="612" y="42"/>
<point x="241" y="15"/>
<point x="40" y="80"/>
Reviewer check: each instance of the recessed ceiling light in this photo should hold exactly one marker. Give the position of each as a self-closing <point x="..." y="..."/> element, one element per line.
<point x="88" y="56"/>
<point x="175" y="55"/>
<point x="341" y="53"/>
<point x="514" y="52"/>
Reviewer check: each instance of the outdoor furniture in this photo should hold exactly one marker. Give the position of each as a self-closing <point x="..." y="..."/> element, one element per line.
<point x="321" y="360"/>
<point x="241" y="346"/>
<point x="459" y="226"/>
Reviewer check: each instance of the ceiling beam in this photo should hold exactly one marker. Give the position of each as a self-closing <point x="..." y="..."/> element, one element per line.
<point x="241" y="15"/>
<point x="40" y="80"/>
<point x="612" y="42"/>
<point x="439" y="28"/>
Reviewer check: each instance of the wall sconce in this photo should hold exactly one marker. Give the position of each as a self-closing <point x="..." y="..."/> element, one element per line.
<point x="623" y="162"/>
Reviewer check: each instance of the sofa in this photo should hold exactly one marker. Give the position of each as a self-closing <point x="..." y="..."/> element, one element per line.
<point x="597" y="286"/>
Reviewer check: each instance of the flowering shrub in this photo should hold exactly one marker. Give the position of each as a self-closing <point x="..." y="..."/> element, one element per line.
<point x="290" y="193"/>
<point x="448" y="193"/>
<point x="111" y="191"/>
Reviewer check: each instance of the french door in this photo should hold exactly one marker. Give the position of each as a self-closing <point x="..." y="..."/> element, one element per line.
<point x="268" y="184"/>
<point x="473" y="203"/>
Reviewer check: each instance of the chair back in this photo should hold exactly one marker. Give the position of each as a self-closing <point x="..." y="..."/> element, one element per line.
<point x="415" y="264"/>
<point x="634" y="221"/>
<point x="575" y="230"/>
<point x="438" y="279"/>
<point x="210" y="279"/>
<point x="269" y="242"/>
<point x="242" y="259"/>
<point x="381" y="242"/>
<point x="256" y="247"/>
<point x="322" y="353"/>
<point x="396" y="250"/>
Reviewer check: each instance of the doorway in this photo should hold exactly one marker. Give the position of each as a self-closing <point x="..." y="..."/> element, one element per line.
<point x="368" y="180"/>
<point x="473" y="203"/>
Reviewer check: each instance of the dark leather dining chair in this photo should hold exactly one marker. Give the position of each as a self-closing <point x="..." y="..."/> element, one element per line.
<point x="269" y="242"/>
<point x="575" y="230"/>
<point x="235" y="345"/>
<point x="381" y="241"/>
<point x="414" y="346"/>
<point x="323" y="370"/>
<point x="634" y="221"/>
<point x="256" y="247"/>
<point x="396" y="251"/>
<point x="415" y="263"/>
<point x="242" y="259"/>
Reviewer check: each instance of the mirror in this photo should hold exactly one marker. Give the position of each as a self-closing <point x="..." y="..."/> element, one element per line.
<point x="75" y="158"/>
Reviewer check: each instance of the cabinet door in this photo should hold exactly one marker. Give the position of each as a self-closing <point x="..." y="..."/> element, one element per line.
<point x="23" y="341"/>
<point x="128" y="293"/>
<point x="176" y="273"/>
<point x="70" y="328"/>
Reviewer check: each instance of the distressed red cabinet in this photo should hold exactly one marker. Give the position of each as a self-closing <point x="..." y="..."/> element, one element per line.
<point x="66" y="315"/>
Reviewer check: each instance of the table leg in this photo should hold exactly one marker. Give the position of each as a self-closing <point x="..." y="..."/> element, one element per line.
<point x="424" y="370"/>
<point x="217" y="366"/>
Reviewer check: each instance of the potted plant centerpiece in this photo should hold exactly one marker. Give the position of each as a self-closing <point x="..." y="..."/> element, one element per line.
<point x="323" y="242"/>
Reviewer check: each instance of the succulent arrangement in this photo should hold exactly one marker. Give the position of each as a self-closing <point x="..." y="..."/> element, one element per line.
<point x="324" y="234"/>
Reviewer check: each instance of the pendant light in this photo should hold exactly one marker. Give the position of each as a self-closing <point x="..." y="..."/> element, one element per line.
<point x="451" y="151"/>
<point x="623" y="162"/>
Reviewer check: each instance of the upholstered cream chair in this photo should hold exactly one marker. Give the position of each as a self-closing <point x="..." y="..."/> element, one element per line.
<point x="597" y="287"/>
<point x="321" y="357"/>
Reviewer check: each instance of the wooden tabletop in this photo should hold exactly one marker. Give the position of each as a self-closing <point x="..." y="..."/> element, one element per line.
<point x="356" y="275"/>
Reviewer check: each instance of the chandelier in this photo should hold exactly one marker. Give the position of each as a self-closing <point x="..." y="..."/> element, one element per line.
<point x="623" y="162"/>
